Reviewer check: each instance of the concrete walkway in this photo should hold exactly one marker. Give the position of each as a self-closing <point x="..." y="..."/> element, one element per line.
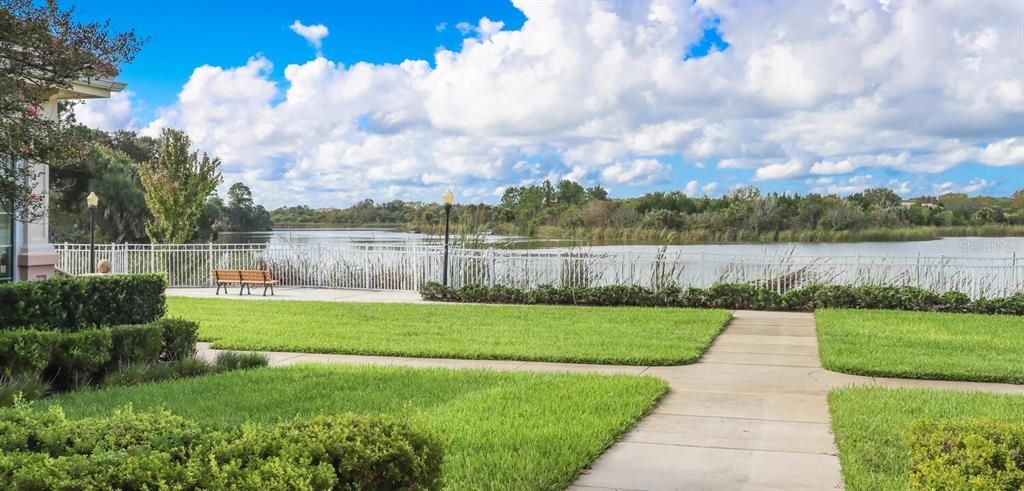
<point x="752" y="414"/>
<point x="299" y="293"/>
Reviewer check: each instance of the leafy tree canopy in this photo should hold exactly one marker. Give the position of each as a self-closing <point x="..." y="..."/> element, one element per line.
<point x="43" y="50"/>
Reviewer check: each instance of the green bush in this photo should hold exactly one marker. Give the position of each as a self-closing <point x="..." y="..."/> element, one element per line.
<point x="71" y="359"/>
<point x="135" y="450"/>
<point x="1012" y="305"/>
<point x="26" y="351"/>
<point x="968" y="454"/>
<point x="78" y="358"/>
<point x="236" y="360"/>
<point x="733" y="296"/>
<point x="135" y="344"/>
<point x="179" y="338"/>
<point x="71" y="304"/>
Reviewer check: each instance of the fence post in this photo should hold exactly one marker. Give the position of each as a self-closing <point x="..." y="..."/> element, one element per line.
<point x="366" y="267"/>
<point x="974" y="282"/>
<point x="942" y="273"/>
<point x="918" y="281"/>
<point x="209" y="259"/>
<point x="1013" y="267"/>
<point x="856" y="276"/>
<point x="493" y="265"/>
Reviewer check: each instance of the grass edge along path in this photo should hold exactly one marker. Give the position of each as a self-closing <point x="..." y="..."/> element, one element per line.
<point x="871" y="427"/>
<point x="510" y="430"/>
<point x="922" y="345"/>
<point x="598" y="335"/>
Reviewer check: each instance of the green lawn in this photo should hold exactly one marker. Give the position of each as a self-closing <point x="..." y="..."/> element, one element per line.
<point x="923" y="345"/>
<point x="871" y="426"/>
<point x="502" y="430"/>
<point x="615" y="335"/>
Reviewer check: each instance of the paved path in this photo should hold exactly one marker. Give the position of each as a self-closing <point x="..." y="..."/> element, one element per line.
<point x="752" y="414"/>
<point x="298" y="293"/>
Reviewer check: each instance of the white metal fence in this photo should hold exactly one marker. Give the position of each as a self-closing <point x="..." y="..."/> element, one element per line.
<point x="408" y="267"/>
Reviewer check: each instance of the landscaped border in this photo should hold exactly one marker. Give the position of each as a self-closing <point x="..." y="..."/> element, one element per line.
<point x="733" y="296"/>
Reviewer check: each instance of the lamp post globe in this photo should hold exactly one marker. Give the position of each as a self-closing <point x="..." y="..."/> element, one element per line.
<point x="447" y="198"/>
<point x="92" y="201"/>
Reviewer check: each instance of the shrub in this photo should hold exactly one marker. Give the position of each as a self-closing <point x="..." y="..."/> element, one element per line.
<point x="78" y="357"/>
<point x="135" y="450"/>
<point x="26" y="351"/>
<point x="71" y="359"/>
<point x="71" y="304"/>
<point x="135" y="344"/>
<point x="125" y="299"/>
<point x="235" y="360"/>
<point x="179" y="338"/>
<point x="1012" y="305"/>
<point x="969" y="454"/>
<point x="734" y="296"/>
<point x="954" y="302"/>
<point x="327" y="452"/>
<point x="746" y="297"/>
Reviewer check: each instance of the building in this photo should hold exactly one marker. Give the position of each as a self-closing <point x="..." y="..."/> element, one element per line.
<point x="25" y="250"/>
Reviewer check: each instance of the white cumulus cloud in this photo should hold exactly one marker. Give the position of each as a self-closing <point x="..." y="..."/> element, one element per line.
<point x="313" y="34"/>
<point x="115" y="113"/>
<point x="606" y="93"/>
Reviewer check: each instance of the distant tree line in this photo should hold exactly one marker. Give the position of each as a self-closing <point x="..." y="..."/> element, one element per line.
<point x="745" y="214"/>
<point x="181" y="191"/>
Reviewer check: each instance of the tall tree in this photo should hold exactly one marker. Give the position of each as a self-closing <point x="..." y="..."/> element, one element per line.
<point x="177" y="184"/>
<point x="1017" y="200"/>
<point x="43" y="50"/>
<point x="239" y="196"/>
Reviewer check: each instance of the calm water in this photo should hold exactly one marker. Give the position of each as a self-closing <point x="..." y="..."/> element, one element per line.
<point x="975" y="247"/>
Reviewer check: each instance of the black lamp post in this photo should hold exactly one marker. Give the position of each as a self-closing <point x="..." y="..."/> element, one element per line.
<point x="447" y="198"/>
<point x="92" y="200"/>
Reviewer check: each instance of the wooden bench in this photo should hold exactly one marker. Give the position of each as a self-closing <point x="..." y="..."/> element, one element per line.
<point x="245" y="278"/>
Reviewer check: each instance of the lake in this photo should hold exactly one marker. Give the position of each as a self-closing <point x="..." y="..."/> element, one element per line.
<point x="974" y="247"/>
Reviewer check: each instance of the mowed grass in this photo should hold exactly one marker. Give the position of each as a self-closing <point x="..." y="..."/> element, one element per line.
<point x="926" y="345"/>
<point x="501" y="430"/>
<point x="627" y="336"/>
<point x="871" y="426"/>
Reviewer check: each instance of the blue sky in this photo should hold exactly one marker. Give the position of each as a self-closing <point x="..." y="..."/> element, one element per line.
<point x="186" y="34"/>
<point x="635" y="96"/>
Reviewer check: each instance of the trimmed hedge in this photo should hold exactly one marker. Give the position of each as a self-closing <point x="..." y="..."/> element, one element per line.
<point x="732" y="296"/>
<point x="179" y="338"/>
<point x="72" y="359"/>
<point x="71" y="304"/>
<point x="141" y="450"/>
<point x="967" y="455"/>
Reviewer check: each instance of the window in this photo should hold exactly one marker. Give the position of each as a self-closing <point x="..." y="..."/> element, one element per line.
<point x="6" y="246"/>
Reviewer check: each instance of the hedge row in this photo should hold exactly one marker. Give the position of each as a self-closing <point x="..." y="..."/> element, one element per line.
<point x="732" y="296"/>
<point x="71" y="304"/>
<point x="71" y="359"/>
<point x="967" y="455"/>
<point x="159" y="450"/>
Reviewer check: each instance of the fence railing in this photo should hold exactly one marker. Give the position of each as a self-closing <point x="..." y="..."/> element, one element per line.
<point x="390" y="267"/>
